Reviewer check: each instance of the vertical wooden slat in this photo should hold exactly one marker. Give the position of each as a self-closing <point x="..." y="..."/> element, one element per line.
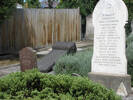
<point x="39" y="27"/>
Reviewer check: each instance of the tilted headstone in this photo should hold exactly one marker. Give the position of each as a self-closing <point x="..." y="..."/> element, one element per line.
<point x="89" y="28"/>
<point x="28" y="59"/>
<point x="109" y="19"/>
<point x="59" y="49"/>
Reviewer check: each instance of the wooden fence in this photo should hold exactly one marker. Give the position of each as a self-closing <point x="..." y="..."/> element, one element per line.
<point x="39" y="27"/>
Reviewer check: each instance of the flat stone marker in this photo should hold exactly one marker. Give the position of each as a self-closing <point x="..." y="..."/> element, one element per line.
<point x="28" y="59"/>
<point x="58" y="49"/>
<point x="109" y="60"/>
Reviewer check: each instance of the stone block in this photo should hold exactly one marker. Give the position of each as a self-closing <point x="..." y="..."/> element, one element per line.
<point x="112" y="81"/>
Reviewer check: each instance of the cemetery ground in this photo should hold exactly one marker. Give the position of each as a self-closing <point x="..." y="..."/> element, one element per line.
<point x="11" y="63"/>
<point x="67" y="72"/>
<point x="14" y="66"/>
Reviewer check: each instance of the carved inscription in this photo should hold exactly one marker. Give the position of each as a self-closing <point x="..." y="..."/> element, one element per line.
<point x="109" y="37"/>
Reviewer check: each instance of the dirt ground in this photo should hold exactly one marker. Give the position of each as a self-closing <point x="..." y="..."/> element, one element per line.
<point x="6" y="62"/>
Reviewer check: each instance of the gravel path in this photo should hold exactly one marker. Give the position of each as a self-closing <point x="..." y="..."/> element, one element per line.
<point x="9" y="69"/>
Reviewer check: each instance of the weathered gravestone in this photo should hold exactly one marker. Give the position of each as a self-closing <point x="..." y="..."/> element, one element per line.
<point x="28" y="59"/>
<point x="59" y="49"/>
<point x="132" y="26"/>
<point x="89" y="28"/>
<point x="109" y="64"/>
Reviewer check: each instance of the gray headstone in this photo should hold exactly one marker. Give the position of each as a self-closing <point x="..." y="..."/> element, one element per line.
<point x="58" y="49"/>
<point x="89" y="28"/>
<point x="46" y="63"/>
<point x="132" y="26"/>
<point x="28" y="59"/>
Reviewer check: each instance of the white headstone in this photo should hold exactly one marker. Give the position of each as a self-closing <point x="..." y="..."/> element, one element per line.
<point x="109" y="19"/>
<point x="89" y="28"/>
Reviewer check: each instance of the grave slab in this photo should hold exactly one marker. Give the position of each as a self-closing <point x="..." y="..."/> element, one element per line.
<point x="59" y="49"/>
<point x="46" y="63"/>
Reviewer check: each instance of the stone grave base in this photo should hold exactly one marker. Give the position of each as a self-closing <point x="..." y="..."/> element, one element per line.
<point x="112" y="81"/>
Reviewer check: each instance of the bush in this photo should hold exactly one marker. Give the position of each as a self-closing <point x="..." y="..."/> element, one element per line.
<point x="7" y="7"/>
<point x="33" y="85"/>
<point x="33" y="3"/>
<point x="79" y="63"/>
<point x="129" y="4"/>
<point x="129" y="53"/>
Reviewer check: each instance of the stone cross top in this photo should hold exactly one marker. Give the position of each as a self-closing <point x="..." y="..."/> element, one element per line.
<point x="109" y="19"/>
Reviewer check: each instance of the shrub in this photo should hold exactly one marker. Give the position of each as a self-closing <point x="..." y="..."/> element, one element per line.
<point x="33" y="3"/>
<point x="33" y="85"/>
<point x="79" y="63"/>
<point x="7" y="7"/>
<point x="129" y="53"/>
<point x="129" y="4"/>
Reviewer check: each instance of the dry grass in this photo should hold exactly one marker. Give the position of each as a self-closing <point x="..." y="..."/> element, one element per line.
<point x="8" y="62"/>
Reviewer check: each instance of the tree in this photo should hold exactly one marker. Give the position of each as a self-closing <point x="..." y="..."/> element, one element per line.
<point x="33" y="3"/>
<point x="129" y="4"/>
<point x="6" y="8"/>
<point x="50" y="3"/>
<point x="86" y="8"/>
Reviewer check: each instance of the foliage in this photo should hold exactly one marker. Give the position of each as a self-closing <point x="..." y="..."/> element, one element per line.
<point x="129" y="52"/>
<point x="33" y="85"/>
<point x="129" y="4"/>
<point x="6" y="7"/>
<point x="86" y="8"/>
<point x="33" y="3"/>
<point x="50" y="3"/>
<point x="79" y="63"/>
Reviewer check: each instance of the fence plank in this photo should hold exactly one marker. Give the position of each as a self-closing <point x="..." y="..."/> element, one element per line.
<point x="38" y="28"/>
